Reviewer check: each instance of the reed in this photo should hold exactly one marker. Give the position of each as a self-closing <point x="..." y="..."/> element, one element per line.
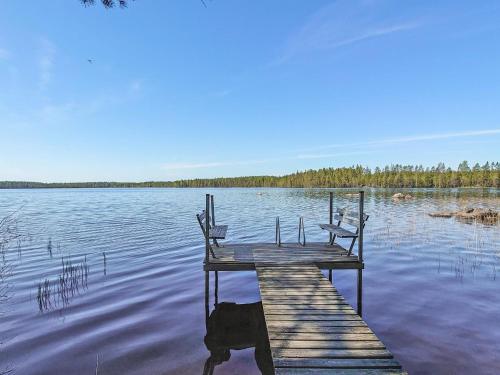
<point x="71" y="281"/>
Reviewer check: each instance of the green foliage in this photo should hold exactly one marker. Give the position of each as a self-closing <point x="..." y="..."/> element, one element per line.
<point x="394" y="176"/>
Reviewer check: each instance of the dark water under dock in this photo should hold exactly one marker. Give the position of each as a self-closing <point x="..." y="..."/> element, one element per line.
<point x="133" y="299"/>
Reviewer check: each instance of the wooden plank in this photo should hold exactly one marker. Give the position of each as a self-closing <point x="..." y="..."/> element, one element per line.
<point x="318" y="311"/>
<point x="334" y="344"/>
<point x="339" y="231"/>
<point x="337" y="363"/>
<point x="316" y="324"/>
<point x="332" y="353"/>
<point x="322" y="336"/>
<point x="326" y="371"/>
<point x="293" y="330"/>
<point x="218" y="232"/>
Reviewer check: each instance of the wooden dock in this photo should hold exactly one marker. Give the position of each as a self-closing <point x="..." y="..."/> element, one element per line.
<point x="312" y="329"/>
<point x="243" y="257"/>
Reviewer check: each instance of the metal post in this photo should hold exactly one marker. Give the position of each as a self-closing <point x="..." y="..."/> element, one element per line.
<point x="361" y="225"/>
<point x="207" y="226"/>
<point x="360" y="252"/>
<point x="278" y="232"/>
<point x="207" y="309"/>
<point x="331" y="214"/>
<point x="213" y="211"/>
<point x="360" y="292"/>
<point x="216" y="289"/>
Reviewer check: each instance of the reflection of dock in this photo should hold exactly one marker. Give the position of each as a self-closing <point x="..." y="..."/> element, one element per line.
<point x="311" y="328"/>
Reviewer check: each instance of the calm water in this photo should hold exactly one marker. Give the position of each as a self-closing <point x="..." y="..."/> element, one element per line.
<point x="123" y="289"/>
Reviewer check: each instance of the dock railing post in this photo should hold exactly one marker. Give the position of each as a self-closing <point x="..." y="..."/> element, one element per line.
<point x="360" y="253"/>
<point x="331" y="213"/>
<point x="212" y="210"/>
<point x="361" y="225"/>
<point x="207" y="227"/>
<point x="330" y="220"/>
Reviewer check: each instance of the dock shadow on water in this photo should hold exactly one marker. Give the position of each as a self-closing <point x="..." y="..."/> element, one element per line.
<point x="233" y="326"/>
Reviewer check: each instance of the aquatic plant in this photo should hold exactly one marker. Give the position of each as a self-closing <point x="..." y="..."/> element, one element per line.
<point x="70" y="282"/>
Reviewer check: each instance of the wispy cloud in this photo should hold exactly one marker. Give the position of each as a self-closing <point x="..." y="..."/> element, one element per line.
<point x="46" y="62"/>
<point x="4" y="54"/>
<point x="135" y="86"/>
<point x="222" y="93"/>
<point x="407" y="139"/>
<point x="341" y="24"/>
<point x="214" y="164"/>
<point x="302" y="155"/>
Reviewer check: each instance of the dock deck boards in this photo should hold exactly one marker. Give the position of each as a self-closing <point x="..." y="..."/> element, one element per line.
<point x="312" y="329"/>
<point x="234" y="257"/>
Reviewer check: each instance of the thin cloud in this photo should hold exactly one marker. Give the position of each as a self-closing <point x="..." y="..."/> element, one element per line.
<point x="214" y="164"/>
<point x="4" y="54"/>
<point x="46" y="62"/>
<point x="305" y="156"/>
<point x="407" y="139"/>
<point x="341" y="24"/>
<point x="222" y="93"/>
<point x="135" y="86"/>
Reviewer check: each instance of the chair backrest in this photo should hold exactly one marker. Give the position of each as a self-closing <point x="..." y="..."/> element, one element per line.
<point x="349" y="217"/>
<point x="201" y="220"/>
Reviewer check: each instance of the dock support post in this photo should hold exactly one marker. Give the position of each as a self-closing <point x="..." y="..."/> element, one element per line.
<point x="360" y="293"/>
<point x="330" y="275"/>
<point x="331" y="215"/>
<point x="360" y="252"/>
<point x="207" y="226"/>
<point x="278" y="232"/>
<point x="216" y="289"/>
<point x="207" y="296"/>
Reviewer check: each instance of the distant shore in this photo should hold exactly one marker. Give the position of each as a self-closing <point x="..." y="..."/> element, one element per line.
<point x="394" y="176"/>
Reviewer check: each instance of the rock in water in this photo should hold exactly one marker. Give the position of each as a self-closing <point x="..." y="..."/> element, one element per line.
<point x="398" y="196"/>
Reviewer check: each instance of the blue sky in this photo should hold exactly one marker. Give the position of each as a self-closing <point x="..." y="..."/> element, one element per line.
<point x="179" y="90"/>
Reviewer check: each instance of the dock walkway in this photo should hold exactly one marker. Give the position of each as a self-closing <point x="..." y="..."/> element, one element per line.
<point x="312" y="329"/>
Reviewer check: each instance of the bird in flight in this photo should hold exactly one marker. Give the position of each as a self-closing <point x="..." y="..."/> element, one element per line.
<point x="90" y="61"/>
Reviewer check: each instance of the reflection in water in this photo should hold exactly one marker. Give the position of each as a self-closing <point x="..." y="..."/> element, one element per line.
<point x="237" y="326"/>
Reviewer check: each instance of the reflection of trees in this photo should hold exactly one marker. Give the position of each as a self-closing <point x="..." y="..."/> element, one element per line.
<point x="237" y="326"/>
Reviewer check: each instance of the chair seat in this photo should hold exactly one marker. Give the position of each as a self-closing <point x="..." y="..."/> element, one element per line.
<point x="218" y="232"/>
<point x="338" y="231"/>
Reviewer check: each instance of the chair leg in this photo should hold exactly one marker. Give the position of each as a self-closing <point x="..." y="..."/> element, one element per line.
<point x="351" y="247"/>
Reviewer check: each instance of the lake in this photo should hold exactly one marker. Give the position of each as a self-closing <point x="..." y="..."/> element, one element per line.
<point x="111" y="280"/>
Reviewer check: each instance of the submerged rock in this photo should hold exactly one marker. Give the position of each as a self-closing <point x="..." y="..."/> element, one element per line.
<point x="398" y="196"/>
<point x="441" y="214"/>
<point x="484" y="215"/>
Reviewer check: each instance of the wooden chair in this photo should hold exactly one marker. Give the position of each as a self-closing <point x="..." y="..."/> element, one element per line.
<point x="216" y="232"/>
<point x="347" y="217"/>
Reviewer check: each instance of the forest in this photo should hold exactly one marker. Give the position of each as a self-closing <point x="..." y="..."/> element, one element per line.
<point x="393" y="176"/>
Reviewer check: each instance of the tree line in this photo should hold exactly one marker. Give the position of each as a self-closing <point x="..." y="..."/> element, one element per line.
<point x="393" y="176"/>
